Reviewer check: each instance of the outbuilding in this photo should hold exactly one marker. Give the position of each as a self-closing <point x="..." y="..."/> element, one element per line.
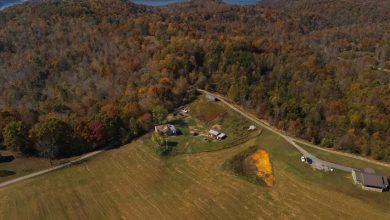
<point x="368" y="179"/>
<point x="216" y="134"/>
<point x="213" y="133"/>
<point x="221" y="136"/>
<point x="252" y="128"/>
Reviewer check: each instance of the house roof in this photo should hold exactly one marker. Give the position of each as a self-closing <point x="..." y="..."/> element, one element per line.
<point x="372" y="179"/>
<point x="369" y="170"/>
<point x="222" y="135"/>
<point x="172" y="128"/>
<point x="214" y="132"/>
<point x="166" y="128"/>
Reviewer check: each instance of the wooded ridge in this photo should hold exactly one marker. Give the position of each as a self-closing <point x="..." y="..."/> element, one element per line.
<point x="83" y="73"/>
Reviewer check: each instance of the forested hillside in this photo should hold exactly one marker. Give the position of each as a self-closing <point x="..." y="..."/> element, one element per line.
<point x="104" y="71"/>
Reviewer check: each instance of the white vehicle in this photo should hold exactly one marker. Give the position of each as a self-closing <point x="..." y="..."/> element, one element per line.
<point x="303" y="159"/>
<point x="331" y="169"/>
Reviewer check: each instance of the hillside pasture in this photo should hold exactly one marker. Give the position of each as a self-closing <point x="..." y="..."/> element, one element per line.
<point x="133" y="182"/>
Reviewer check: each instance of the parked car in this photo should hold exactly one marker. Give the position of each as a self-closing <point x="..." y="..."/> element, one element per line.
<point x="306" y="160"/>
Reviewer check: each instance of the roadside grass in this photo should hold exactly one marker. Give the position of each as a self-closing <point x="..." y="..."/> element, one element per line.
<point x="348" y="161"/>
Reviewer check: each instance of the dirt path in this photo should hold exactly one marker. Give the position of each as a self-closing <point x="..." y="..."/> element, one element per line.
<point x="39" y="173"/>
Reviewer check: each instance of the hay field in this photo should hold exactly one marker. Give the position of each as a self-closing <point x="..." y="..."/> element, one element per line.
<point x="133" y="183"/>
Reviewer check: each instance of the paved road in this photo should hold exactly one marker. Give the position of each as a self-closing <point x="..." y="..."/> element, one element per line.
<point x="317" y="163"/>
<point x="32" y="175"/>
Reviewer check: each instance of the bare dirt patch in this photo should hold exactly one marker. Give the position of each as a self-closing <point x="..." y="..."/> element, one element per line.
<point x="217" y="127"/>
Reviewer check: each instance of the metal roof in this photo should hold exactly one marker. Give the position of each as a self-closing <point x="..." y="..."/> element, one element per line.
<point x="214" y="132"/>
<point x="374" y="180"/>
<point x="222" y="135"/>
<point x="369" y="170"/>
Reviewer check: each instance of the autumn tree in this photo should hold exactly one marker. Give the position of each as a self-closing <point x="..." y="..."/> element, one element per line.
<point x="15" y="135"/>
<point x="159" y="114"/>
<point x="52" y="138"/>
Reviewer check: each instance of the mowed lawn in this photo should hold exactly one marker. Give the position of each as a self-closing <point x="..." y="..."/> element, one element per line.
<point x="132" y="182"/>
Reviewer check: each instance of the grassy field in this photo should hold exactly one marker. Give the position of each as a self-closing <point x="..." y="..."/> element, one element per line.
<point x="133" y="182"/>
<point x="24" y="165"/>
<point x="21" y="166"/>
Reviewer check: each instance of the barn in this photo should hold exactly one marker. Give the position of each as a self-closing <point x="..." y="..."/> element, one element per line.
<point x="368" y="179"/>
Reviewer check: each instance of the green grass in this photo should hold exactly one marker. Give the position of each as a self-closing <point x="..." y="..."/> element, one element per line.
<point x="348" y="161"/>
<point x="204" y="115"/>
<point x="133" y="182"/>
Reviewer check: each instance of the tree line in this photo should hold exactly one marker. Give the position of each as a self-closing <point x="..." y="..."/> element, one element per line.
<point x="97" y="70"/>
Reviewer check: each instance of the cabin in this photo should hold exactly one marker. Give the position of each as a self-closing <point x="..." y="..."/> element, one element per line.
<point x="368" y="179"/>
<point x="216" y="134"/>
<point x="211" y="98"/>
<point x="166" y="129"/>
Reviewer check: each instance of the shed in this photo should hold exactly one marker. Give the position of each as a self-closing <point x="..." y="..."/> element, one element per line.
<point x="252" y="128"/>
<point x="213" y="133"/>
<point x="216" y="134"/>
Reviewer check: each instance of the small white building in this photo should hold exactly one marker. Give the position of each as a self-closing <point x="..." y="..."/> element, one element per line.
<point x="216" y="134"/>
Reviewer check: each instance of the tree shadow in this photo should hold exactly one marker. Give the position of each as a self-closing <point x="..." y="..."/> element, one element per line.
<point x="5" y="173"/>
<point x="168" y="149"/>
<point x="178" y="122"/>
<point x="172" y="144"/>
<point x="6" y="159"/>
